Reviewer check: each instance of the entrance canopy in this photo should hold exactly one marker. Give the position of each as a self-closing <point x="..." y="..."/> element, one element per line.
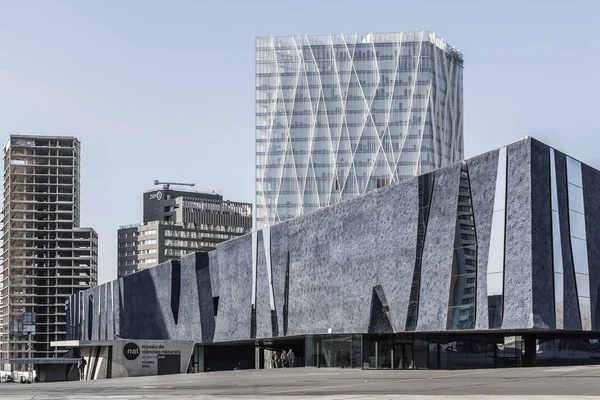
<point x="38" y="361"/>
<point x="83" y="343"/>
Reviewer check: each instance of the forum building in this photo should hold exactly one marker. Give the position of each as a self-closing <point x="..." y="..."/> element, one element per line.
<point x="491" y="262"/>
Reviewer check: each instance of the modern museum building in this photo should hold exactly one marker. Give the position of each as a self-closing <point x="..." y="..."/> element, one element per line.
<point x="490" y="262"/>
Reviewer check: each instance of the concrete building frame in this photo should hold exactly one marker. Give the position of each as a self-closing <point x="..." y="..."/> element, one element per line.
<point x="46" y="255"/>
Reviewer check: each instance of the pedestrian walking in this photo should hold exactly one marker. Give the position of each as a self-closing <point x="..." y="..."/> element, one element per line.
<point x="275" y="360"/>
<point x="283" y="358"/>
<point x="291" y="358"/>
<point x="81" y="367"/>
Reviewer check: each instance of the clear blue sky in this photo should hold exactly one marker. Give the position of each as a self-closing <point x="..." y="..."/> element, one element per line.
<point x="165" y="89"/>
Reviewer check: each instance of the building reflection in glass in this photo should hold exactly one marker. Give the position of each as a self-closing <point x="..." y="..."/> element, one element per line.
<point x="463" y="284"/>
<point x="481" y="350"/>
<point x="556" y="247"/>
<point x="579" y="240"/>
<point x="337" y="351"/>
<point x="495" y="268"/>
<point x="426" y="183"/>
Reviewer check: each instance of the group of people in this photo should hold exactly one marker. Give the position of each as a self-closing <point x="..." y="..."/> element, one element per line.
<point x="284" y="359"/>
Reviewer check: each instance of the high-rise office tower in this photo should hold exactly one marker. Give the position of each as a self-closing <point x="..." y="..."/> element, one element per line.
<point x="46" y="256"/>
<point x="177" y="223"/>
<point x="339" y="115"/>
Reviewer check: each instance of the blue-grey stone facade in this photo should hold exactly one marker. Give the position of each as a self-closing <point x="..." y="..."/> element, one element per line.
<point x="350" y="267"/>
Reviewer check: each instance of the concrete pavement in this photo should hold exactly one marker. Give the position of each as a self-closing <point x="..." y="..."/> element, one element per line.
<point x="530" y="383"/>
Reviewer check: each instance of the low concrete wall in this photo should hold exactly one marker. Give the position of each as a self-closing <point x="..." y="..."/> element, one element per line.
<point x="123" y="358"/>
<point x="57" y="372"/>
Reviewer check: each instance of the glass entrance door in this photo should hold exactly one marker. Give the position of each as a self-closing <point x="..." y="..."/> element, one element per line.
<point x="403" y="356"/>
<point x="337" y="351"/>
<point x="433" y="358"/>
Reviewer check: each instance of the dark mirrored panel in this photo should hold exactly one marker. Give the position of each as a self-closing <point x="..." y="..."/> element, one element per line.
<point x="254" y="260"/>
<point x="556" y="244"/>
<point x="496" y="253"/>
<point x="426" y="183"/>
<point x="267" y="245"/>
<point x="495" y="284"/>
<point x="583" y="286"/>
<point x="577" y="224"/>
<point x="461" y="317"/>
<point x="576" y="198"/>
<point x="559" y="299"/>
<point x="585" y="311"/>
<point x="463" y="283"/>
<point x="579" y="240"/>
<point x="500" y="195"/>
<point x="557" y="260"/>
<point x="456" y="350"/>
<point x="580" y="259"/>
<point x="574" y="172"/>
<point x="553" y="184"/>
<point x="495" y="270"/>
<point x="342" y="351"/>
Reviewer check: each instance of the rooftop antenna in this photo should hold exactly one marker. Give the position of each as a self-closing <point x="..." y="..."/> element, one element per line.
<point x="167" y="185"/>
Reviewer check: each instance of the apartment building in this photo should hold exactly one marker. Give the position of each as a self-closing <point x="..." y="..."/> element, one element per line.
<point x="177" y="223"/>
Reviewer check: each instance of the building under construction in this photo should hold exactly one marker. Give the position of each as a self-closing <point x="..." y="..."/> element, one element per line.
<point x="177" y="223"/>
<point x="46" y="256"/>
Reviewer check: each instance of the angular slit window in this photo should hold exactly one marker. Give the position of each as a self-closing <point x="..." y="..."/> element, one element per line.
<point x="495" y="270"/>
<point x="461" y="305"/>
<point x="556" y="247"/>
<point x="426" y="183"/>
<point x="578" y="238"/>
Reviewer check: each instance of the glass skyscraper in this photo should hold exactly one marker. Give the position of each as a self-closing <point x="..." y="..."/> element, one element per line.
<point x="339" y="115"/>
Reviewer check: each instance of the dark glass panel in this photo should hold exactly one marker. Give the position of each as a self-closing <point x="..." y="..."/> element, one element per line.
<point x="545" y="351"/>
<point x="420" y="350"/>
<point x="356" y="357"/>
<point x="369" y="358"/>
<point x="582" y="349"/>
<point x="403" y="352"/>
<point x="563" y="350"/>
<point x="462" y="317"/>
<point x="478" y="353"/>
<point x="319" y="358"/>
<point x="461" y="305"/>
<point x="426" y="183"/>
<point x="327" y="352"/>
<point x="510" y="352"/>
<point x="384" y="352"/>
<point x="457" y="350"/>
<point x="495" y="311"/>
<point x="495" y="267"/>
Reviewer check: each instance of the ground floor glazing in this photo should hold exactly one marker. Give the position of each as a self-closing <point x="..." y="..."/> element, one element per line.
<point x="454" y="351"/>
<point x="407" y="351"/>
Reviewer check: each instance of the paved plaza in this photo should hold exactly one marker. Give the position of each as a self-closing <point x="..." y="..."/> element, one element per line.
<point x="530" y="383"/>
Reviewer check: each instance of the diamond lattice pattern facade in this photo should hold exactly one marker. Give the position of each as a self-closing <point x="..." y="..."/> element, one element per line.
<point x="339" y="115"/>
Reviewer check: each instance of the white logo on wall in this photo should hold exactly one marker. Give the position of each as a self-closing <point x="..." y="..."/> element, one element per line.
<point x="156" y="196"/>
<point x="131" y="351"/>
